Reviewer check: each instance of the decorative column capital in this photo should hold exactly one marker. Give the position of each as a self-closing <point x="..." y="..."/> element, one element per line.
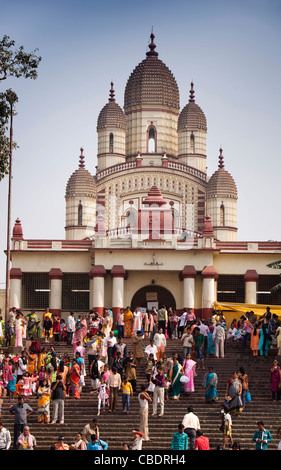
<point x="251" y="275"/>
<point x="55" y="273"/>
<point x="97" y="271"/>
<point x="209" y="273"/>
<point x="118" y="271"/>
<point x="188" y="272"/>
<point x="15" y="273"/>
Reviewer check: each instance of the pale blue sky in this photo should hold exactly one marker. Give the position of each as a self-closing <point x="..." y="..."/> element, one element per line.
<point x="230" y="49"/>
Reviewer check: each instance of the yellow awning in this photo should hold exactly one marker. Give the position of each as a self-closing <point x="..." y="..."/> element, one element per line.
<point x="258" y="309"/>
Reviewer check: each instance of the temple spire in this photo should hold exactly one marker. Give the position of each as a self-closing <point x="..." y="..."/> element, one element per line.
<point x="152" y="46"/>
<point x="221" y="159"/>
<point x="111" y="93"/>
<point x="192" y="93"/>
<point x="81" y="159"/>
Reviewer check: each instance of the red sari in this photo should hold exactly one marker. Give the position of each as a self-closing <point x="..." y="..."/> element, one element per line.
<point x="74" y="377"/>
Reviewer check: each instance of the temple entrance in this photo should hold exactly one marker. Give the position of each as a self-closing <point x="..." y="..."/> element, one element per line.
<point x="153" y="296"/>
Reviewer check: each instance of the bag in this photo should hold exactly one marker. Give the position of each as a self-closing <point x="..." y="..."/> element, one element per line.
<point x="248" y="396"/>
<point x="184" y="379"/>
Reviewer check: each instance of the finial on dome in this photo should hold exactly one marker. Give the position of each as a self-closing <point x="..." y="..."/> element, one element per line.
<point x="17" y="230"/>
<point x="221" y="159"/>
<point x="152" y="46"/>
<point x="81" y="158"/>
<point x="111" y="93"/>
<point x="192" y="93"/>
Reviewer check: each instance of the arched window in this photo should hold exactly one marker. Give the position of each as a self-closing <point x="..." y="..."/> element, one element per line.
<point x="192" y="143"/>
<point x="80" y="214"/>
<point x="222" y="216"/>
<point x="111" y="140"/>
<point x="131" y="219"/>
<point x="151" y="142"/>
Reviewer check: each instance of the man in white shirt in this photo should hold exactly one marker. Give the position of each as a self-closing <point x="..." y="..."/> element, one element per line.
<point x="181" y="324"/>
<point x="191" y="424"/>
<point x="219" y="337"/>
<point x="110" y="341"/>
<point x="5" y="438"/>
<point x="151" y="348"/>
<point x="114" y="384"/>
<point x="70" y="328"/>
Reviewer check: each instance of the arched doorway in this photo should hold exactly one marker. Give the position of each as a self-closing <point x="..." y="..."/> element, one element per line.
<point x="153" y="295"/>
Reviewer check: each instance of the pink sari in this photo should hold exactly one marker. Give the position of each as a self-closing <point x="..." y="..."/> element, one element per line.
<point x="189" y="371"/>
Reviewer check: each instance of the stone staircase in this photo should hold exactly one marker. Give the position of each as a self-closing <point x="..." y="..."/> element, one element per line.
<point x="116" y="428"/>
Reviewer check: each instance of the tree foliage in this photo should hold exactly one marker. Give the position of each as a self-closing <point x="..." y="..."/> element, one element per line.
<point x="275" y="265"/>
<point x="14" y="62"/>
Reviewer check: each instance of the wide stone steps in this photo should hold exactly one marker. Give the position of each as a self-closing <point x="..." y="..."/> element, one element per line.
<point x="116" y="428"/>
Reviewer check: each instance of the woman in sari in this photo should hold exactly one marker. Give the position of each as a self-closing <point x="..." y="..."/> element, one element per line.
<point x="107" y="324"/>
<point x="74" y="377"/>
<point x="176" y="384"/>
<point x="128" y="323"/>
<point x="210" y="384"/>
<point x="255" y="338"/>
<point x="148" y="324"/>
<point x="42" y="359"/>
<point x="19" y="330"/>
<point x="189" y="368"/>
<point x="79" y="443"/>
<point x="78" y="336"/>
<point x="233" y="395"/>
<point x="31" y="362"/>
<point x="44" y="394"/>
<point x="264" y="340"/>
<point x="210" y="342"/>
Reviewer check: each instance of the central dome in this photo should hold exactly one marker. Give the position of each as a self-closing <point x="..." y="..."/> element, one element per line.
<point x="151" y="83"/>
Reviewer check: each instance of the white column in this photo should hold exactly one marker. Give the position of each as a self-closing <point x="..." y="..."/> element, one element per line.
<point x="208" y="290"/>
<point x="97" y="276"/>
<point x="251" y="277"/>
<point x="189" y="292"/>
<point x="15" y="287"/>
<point x="118" y="292"/>
<point x="118" y="274"/>
<point x="55" y="299"/>
<point x="188" y="275"/>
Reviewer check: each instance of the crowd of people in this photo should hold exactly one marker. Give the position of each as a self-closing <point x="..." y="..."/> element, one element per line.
<point x="98" y="343"/>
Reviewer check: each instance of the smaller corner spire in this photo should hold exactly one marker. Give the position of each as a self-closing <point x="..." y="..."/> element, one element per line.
<point x="81" y="159"/>
<point x="152" y="46"/>
<point x="192" y="93"/>
<point x="111" y="92"/>
<point x="221" y="159"/>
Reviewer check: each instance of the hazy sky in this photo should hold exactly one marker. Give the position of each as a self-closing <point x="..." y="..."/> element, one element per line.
<point x="230" y="49"/>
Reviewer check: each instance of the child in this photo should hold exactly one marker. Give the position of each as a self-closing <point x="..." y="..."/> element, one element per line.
<point x="167" y="388"/>
<point x="8" y="333"/>
<point x="26" y="388"/>
<point x="226" y="426"/>
<point x="102" y="394"/>
<point x="127" y="391"/>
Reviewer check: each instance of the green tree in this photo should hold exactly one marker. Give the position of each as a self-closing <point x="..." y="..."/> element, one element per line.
<point x="275" y="265"/>
<point x="14" y="62"/>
